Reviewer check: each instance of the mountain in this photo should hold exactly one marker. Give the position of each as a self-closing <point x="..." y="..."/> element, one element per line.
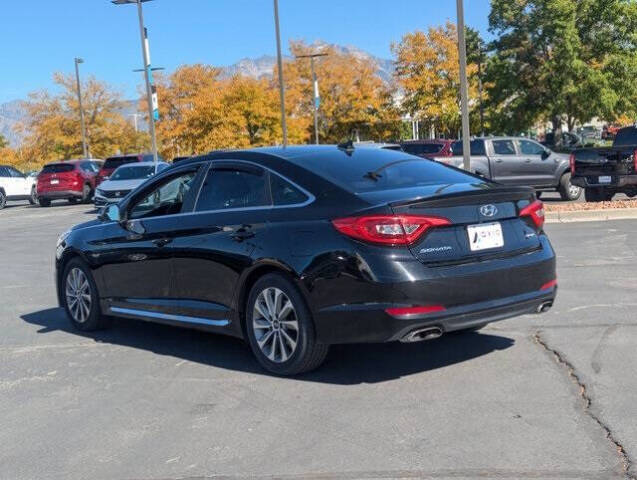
<point x="11" y="113"/>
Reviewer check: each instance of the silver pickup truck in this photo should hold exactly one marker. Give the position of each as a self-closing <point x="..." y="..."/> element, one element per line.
<point x="518" y="161"/>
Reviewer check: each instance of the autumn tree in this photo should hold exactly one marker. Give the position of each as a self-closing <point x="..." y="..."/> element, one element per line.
<point x="52" y="127"/>
<point x="427" y="71"/>
<point x="353" y="96"/>
<point x="562" y="61"/>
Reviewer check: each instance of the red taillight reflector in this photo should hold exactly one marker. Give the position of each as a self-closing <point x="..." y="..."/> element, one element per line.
<point x="571" y="161"/>
<point x="421" y="310"/>
<point x="388" y="229"/>
<point x="635" y="161"/>
<point x="549" y="285"/>
<point x="535" y="211"/>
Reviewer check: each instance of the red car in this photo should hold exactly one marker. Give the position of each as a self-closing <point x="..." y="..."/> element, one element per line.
<point x="72" y="180"/>
<point x="438" y="148"/>
<point x="112" y="163"/>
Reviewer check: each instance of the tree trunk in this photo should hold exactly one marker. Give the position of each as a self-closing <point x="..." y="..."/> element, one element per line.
<point x="556" y="121"/>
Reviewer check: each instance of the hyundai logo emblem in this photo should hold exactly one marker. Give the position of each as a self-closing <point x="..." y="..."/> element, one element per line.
<point x="488" y="210"/>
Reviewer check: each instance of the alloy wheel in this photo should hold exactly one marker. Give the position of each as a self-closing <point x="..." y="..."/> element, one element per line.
<point x="275" y="324"/>
<point x="573" y="190"/>
<point x="78" y="295"/>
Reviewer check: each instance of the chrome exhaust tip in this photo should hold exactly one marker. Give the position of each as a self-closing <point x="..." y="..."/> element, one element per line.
<point x="422" y="334"/>
<point x="544" y="307"/>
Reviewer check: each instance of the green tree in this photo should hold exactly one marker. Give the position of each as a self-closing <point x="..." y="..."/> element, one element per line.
<point x="561" y="60"/>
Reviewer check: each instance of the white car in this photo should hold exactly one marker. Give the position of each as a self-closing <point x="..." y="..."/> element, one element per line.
<point x="15" y="185"/>
<point x="125" y="179"/>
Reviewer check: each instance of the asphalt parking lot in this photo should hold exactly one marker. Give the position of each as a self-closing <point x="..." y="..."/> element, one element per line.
<point x="543" y="396"/>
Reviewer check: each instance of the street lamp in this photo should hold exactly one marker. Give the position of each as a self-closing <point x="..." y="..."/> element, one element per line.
<point x="464" y="91"/>
<point x="317" y="98"/>
<point x="79" y="100"/>
<point x="150" y="96"/>
<point x="280" y="64"/>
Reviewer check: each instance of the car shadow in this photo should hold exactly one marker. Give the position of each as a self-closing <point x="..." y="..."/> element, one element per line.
<point x="345" y="364"/>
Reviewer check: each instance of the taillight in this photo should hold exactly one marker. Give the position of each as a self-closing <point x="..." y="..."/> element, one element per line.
<point x="571" y="161"/>
<point x="420" y="310"/>
<point x="535" y="211"/>
<point x="549" y="285"/>
<point x="635" y="161"/>
<point x="388" y="229"/>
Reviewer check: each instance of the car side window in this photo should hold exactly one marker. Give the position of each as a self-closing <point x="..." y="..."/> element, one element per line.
<point x="476" y="147"/>
<point x="503" y="147"/>
<point x="4" y="172"/>
<point x="228" y="187"/>
<point x="14" y="173"/>
<point x="284" y="193"/>
<point x="530" y="148"/>
<point x="165" y="198"/>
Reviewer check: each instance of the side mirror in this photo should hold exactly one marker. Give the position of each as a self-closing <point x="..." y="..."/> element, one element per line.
<point x="111" y="213"/>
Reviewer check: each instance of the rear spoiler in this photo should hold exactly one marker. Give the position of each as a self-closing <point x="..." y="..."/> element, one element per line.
<point x="493" y="194"/>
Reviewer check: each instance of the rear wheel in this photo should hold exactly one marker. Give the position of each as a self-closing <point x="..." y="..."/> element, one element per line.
<point x="44" y="202"/>
<point x="3" y="200"/>
<point x="33" y="199"/>
<point x="80" y="297"/>
<point x="568" y="191"/>
<point x="86" y="194"/>
<point x="280" y="329"/>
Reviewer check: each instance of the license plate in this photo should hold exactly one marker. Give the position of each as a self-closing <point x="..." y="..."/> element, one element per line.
<point x="54" y="182"/>
<point x="485" y="236"/>
<point x="605" y="179"/>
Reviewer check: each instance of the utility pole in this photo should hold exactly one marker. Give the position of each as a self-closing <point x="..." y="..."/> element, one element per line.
<point x="79" y="100"/>
<point x="279" y="59"/>
<point x="317" y="98"/>
<point x="464" y="91"/>
<point x="151" y="97"/>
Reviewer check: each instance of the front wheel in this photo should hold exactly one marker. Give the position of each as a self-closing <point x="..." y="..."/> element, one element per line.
<point x="280" y="329"/>
<point x="80" y="297"/>
<point x="568" y="191"/>
<point x="3" y="200"/>
<point x="87" y="194"/>
<point x="33" y="199"/>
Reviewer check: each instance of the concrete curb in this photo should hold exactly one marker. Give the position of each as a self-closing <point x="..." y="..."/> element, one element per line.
<point x="591" y="215"/>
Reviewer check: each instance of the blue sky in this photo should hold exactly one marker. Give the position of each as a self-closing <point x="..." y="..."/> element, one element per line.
<point x="39" y="37"/>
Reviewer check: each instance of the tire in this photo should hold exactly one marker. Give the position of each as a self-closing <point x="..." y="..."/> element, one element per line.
<point x="33" y="199"/>
<point x="72" y="200"/>
<point x="3" y="200"/>
<point x="290" y="345"/>
<point x="87" y="194"/>
<point x="594" y="194"/>
<point x="567" y="190"/>
<point x="44" y="202"/>
<point x="538" y="195"/>
<point x="78" y="284"/>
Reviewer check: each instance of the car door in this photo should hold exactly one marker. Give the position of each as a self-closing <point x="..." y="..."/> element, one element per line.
<point x="135" y="255"/>
<point x="506" y="165"/>
<point x="539" y="167"/>
<point x="217" y="242"/>
<point x="21" y="184"/>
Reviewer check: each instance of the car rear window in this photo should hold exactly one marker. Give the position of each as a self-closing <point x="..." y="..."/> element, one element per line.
<point x="58" y="168"/>
<point x="626" y="137"/>
<point x="422" y="148"/>
<point x="384" y="170"/>
<point x="112" y="163"/>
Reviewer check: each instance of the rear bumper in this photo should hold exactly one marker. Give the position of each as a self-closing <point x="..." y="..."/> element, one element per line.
<point x="59" y="194"/>
<point x="617" y="181"/>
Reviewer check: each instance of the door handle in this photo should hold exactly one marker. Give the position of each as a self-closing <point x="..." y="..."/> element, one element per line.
<point x="162" y="242"/>
<point x="498" y="160"/>
<point x="242" y="233"/>
<point x="528" y="160"/>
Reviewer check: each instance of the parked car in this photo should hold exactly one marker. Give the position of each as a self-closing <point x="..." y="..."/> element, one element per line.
<point x="569" y="142"/>
<point x="298" y="248"/>
<point x="72" y="180"/>
<point x="124" y="180"/>
<point x="438" y="148"/>
<point x="590" y="132"/>
<point x="111" y="163"/>
<point x="15" y="185"/>
<point x="519" y="161"/>
<point x="609" y="131"/>
<point x="603" y="172"/>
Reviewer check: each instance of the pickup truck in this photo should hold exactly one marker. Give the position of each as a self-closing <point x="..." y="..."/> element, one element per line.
<point x="518" y="161"/>
<point x="603" y="172"/>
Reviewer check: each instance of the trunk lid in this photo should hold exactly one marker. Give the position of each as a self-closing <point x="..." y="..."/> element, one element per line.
<point x="466" y="206"/>
<point x="604" y="161"/>
<point x="59" y="177"/>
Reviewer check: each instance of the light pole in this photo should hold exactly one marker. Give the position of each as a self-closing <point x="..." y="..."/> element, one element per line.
<point x="317" y="98"/>
<point x="279" y="60"/>
<point x="464" y="91"/>
<point x="147" y="72"/>
<point x="79" y="100"/>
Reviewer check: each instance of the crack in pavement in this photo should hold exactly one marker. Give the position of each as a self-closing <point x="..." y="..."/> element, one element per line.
<point x="583" y="392"/>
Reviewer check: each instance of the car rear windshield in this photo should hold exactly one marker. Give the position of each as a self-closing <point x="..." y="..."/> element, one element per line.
<point x="113" y="163"/>
<point x="422" y="148"/>
<point x="58" y="168"/>
<point x="133" y="173"/>
<point x="626" y="137"/>
<point x="371" y="173"/>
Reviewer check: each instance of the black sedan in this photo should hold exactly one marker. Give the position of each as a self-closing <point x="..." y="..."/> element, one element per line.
<point x="298" y="248"/>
